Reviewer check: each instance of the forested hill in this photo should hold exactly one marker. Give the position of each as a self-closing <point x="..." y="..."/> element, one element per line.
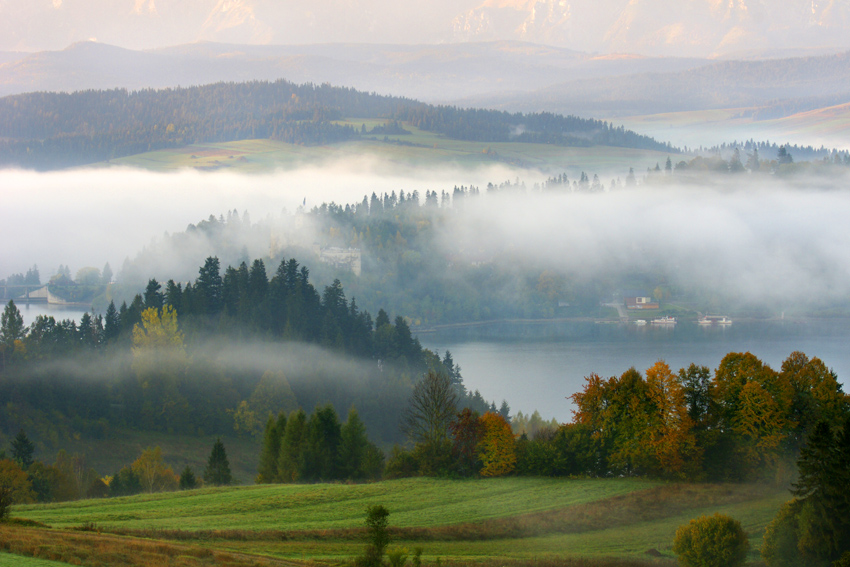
<point x="54" y="130"/>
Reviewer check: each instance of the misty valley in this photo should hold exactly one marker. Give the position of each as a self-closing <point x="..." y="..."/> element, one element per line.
<point x="263" y="322"/>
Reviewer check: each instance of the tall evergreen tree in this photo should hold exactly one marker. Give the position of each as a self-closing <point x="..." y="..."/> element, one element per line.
<point x="22" y="450"/>
<point x="217" y="472"/>
<point x="353" y="447"/>
<point x="321" y="445"/>
<point x="209" y="285"/>
<point x="153" y="296"/>
<point x="11" y="325"/>
<point x="289" y="459"/>
<point x="112" y="325"/>
<point x="275" y="429"/>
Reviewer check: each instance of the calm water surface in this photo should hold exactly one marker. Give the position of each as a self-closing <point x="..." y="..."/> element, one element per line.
<point x="33" y="310"/>
<point x="537" y="366"/>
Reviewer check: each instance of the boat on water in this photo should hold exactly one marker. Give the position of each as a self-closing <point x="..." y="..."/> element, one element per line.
<point x="714" y="320"/>
<point x="640" y="322"/>
<point x="666" y="320"/>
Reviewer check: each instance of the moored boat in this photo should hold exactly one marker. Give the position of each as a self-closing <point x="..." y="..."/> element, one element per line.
<point x="714" y="320"/>
<point x="666" y="320"/>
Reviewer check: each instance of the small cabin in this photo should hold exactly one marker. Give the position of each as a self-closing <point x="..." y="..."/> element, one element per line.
<point x="640" y="302"/>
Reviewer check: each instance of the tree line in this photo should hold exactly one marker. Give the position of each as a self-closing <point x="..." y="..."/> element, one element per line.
<point x="744" y="422"/>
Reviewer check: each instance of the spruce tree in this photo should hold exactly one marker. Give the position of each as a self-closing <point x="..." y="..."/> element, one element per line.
<point x="291" y="445"/>
<point x="217" y="472"/>
<point x="353" y="447"/>
<point x="187" y="479"/>
<point x="275" y="428"/>
<point x="22" y="450"/>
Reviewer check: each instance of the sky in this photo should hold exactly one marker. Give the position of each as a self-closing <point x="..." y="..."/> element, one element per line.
<point x="650" y="27"/>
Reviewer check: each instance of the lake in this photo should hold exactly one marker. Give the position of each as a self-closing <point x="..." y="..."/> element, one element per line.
<point x="33" y="310"/>
<point x="538" y="365"/>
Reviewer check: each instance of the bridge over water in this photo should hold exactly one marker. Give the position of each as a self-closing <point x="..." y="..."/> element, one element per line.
<point x="26" y="294"/>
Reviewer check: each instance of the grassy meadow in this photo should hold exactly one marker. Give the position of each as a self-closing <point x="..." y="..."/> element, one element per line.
<point x="396" y="152"/>
<point x="504" y="520"/>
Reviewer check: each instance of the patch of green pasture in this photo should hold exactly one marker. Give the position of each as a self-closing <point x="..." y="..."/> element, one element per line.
<point x="413" y="502"/>
<point x="10" y="560"/>
<point x="417" y="149"/>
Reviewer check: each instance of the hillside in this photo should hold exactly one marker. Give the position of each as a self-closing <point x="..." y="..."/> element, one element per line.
<point x="507" y="519"/>
<point x="54" y="130"/>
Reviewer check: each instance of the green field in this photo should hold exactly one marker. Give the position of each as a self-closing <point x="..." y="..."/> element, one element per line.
<point x="519" y="520"/>
<point x="414" y="502"/>
<point x="9" y="560"/>
<point x="396" y="153"/>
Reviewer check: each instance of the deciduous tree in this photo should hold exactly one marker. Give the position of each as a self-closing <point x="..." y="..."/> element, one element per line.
<point x="497" y="449"/>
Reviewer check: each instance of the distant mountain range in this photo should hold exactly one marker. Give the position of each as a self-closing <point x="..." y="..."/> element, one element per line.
<point x="766" y="89"/>
<point x="508" y="75"/>
<point x="681" y="28"/>
<point x="435" y="73"/>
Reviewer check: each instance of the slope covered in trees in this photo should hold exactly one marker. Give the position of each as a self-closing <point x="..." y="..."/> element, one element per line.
<point x="53" y="130"/>
<point x="216" y="355"/>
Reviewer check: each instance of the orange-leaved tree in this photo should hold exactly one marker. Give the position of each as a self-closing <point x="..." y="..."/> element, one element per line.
<point x="497" y="448"/>
<point x="669" y="427"/>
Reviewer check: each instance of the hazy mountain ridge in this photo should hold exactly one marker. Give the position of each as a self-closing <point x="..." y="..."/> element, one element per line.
<point x="435" y="73"/>
<point x="780" y="87"/>
<point x="693" y="28"/>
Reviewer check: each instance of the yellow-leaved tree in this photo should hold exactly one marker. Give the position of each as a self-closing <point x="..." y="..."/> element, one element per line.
<point x="159" y="361"/>
<point x="154" y="475"/>
<point x="497" y="448"/>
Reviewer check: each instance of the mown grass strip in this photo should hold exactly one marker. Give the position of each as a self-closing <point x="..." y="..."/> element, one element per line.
<point x="416" y="503"/>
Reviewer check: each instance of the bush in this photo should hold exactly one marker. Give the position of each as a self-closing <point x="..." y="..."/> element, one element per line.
<point x="378" y="537"/>
<point x="711" y="541"/>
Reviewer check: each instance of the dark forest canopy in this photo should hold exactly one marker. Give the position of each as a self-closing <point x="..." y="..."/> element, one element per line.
<point x="53" y="130"/>
<point x="212" y="356"/>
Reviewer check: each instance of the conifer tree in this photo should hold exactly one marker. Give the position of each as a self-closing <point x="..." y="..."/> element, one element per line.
<point x="22" y="450"/>
<point x="275" y="428"/>
<point x="217" y="472"/>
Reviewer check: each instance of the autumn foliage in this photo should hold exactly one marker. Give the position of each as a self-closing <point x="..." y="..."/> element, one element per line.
<point x="748" y="421"/>
<point x="496" y="449"/>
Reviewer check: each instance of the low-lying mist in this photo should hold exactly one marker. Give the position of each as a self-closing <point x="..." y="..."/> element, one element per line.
<point x="87" y="217"/>
<point x="751" y="238"/>
<point x="754" y="242"/>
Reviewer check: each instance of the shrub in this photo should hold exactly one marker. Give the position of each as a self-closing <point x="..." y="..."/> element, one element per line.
<point x="378" y="537"/>
<point x="711" y="541"/>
